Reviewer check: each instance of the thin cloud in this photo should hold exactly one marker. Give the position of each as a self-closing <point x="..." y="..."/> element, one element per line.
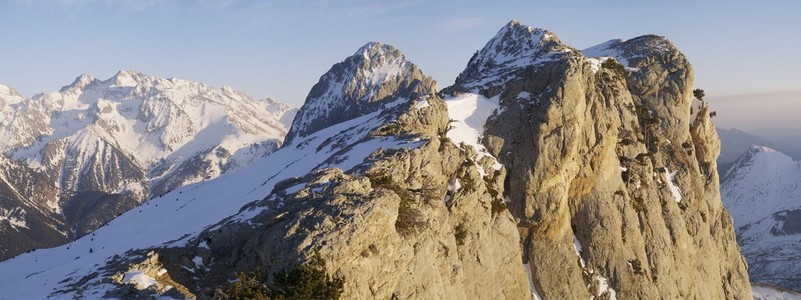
<point x="461" y="23"/>
<point x="127" y="5"/>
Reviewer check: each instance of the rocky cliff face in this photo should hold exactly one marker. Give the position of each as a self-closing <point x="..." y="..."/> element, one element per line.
<point x="26" y="220"/>
<point x="543" y="172"/>
<point x="613" y="190"/>
<point x="412" y="223"/>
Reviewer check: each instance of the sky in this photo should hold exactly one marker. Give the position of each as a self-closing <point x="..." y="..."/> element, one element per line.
<point x="742" y="51"/>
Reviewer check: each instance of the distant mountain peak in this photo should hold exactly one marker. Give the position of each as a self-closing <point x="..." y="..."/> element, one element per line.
<point x="757" y="149"/>
<point x="374" y="75"/>
<point x="79" y="83"/>
<point x="762" y="191"/>
<point x="757" y="159"/>
<point x="127" y="78"/>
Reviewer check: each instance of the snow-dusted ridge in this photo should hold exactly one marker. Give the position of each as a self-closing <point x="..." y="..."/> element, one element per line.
<point x="762" y="191"/>
<point x="514" y="48"/>
<point x="373" y="76"/>
<point x="96" y="148"/>
<point x="147" y="123"/>
<point x="179" y="215"/>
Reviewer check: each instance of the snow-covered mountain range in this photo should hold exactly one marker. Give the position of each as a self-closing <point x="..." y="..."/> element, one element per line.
<point x="102" y="147"/>
<point x="182" y="214"/>
<point x="762" y="191"/>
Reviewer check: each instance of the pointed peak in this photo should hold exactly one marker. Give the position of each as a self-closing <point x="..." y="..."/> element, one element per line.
<point x="760" y="149"/>
<point x="377" y="74"/>
<point x="80" y="82"/>
<point x="127" y="78"/>
<point x="761" y="156"/>
<point x="515" y="26"/>
<point x="6" y="90"/>
<point x="9" y="95"/>
<point x="375" y="49"/>
<point x="524" y="31"/>
<point x="514" y="48"/>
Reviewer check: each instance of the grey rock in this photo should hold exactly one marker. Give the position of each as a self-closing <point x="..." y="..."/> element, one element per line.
<point x="375" y="75"/>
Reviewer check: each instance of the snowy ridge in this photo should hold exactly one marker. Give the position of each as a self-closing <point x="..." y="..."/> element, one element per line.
<point x="767" y="292"/>
<point x="154" y="125"/>
<point x="181" y="214"/>
<point x="761" y="182"/>
<point x="513" y="48"/>
<point x="628" y="52"/>
<point x="376" y="73"/>
<point x="762" y="192"/>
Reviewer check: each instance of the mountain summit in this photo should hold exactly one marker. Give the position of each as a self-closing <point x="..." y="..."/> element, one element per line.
<point x="375" y="75"/>
<point x="514" y="49"/>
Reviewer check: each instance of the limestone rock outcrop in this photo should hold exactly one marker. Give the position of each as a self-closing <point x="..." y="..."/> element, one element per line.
<point x="615" y="193"/>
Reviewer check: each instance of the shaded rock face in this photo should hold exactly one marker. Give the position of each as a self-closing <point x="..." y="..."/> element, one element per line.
<point x="605" y="169"/>
<point x="375" y="75"/>
<point x="35" y="213"/>
<point x="26" y="221"/>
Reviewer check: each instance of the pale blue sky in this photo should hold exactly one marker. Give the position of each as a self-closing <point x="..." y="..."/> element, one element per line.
<point x="279" y="49"/>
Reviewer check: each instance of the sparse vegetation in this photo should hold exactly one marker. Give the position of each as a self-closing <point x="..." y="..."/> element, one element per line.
<point x="636" y="266"/>
<point x="248" y="286"/>
<point x="615" y="67"/>
<point x="498" y="206"/>
<point x="409" y="217"/>
<point x="460" y="233"/>
<point x="699" y="94"/>
<point x="306" y="281"/>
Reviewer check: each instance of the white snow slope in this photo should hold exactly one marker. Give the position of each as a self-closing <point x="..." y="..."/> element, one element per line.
<point x="134" y="121"/>
<point x="764" y="292"/>
<point x="762" y="192"/>
<point x="183" y="213"/>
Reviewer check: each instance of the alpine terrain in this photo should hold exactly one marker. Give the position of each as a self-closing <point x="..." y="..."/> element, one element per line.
<point x="733" y="143"/>
<point x="543" y="172"/>
<point x="762" y="190"/>
<point x="72" y="160"/>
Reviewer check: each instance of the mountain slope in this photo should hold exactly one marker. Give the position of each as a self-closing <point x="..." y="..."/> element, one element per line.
<point x="145" y="126"/>
<point x="762" y="191"/>
<point x="376" y="188"/>
<point x="26" y="220"/>
<point x="105" y="146"/>
<point x="541" y="173"/>
<point x="733" y="143"/>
